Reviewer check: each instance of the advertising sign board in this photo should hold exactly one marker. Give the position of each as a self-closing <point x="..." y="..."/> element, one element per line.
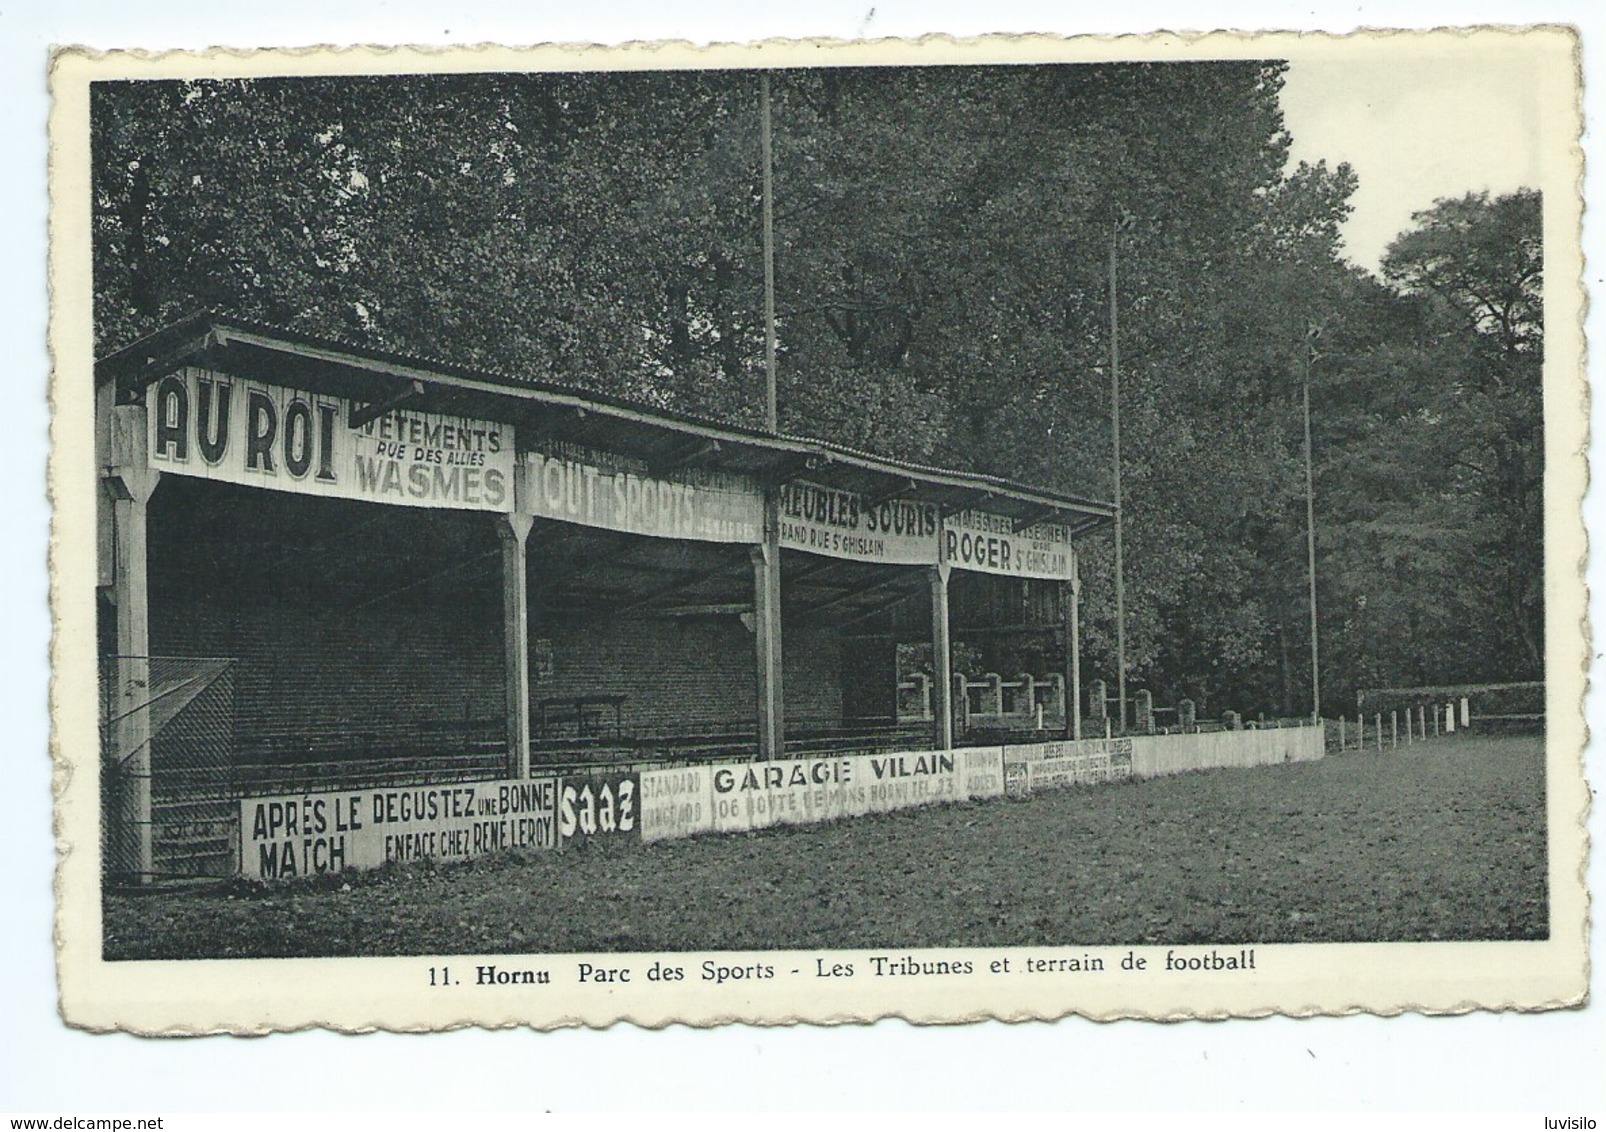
<point x="599" y="805"/>
<point x="845" y="524"/>
<point x="676" y="803"/>
<point x="296" y="835"/>
<point x="212" y="426"/>
<point x="800" y="791"/>
<point x="975" y="540"/>
<point x="1051" y="766"/>
<point x="748" y="796"/>
<point x="599" y="489"/>
<point x="982" y="772"/>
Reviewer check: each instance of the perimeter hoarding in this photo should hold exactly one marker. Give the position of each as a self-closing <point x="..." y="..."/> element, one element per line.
<point x="1031" y="767"/>
<point x="295" y="835"/>
<point x="747" y="796"/>
<point x="213" y="426"/>
<point x="676" y="803"/>
<point x="599" y="805"/>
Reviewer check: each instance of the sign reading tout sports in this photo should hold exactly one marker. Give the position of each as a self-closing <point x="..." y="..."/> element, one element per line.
<point x="213" y="426"/>
<point x="599" y="489"/>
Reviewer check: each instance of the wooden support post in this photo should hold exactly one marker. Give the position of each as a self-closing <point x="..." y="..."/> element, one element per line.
<point x="514" y="532"/>
<point x="767" y="637"/>
<point x="942" y="683"/>
<point x="129" y="483"/>
<point x="1394" y="728"/>
<point x="1380" y="733"/>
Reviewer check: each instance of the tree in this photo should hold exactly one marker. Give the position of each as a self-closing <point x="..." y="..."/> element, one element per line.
<point x="1475" y="268"/>
<point x="943" y="235"/>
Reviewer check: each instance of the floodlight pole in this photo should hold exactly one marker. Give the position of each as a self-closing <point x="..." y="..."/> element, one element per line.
<point x="1115" y="442"/>
<point x="767" y="555"/>
<point x="771" y="409"/>
<point x="1310" y="533"/>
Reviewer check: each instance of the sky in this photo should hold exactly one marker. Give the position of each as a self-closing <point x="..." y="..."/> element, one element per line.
<point x="1461" y="121"/>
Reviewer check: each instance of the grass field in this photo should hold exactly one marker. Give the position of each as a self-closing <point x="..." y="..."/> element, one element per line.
<point x="1443" y="840"/>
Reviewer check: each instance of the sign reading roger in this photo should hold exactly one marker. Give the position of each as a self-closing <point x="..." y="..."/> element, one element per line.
<point x="975" y="540"/>
<point x="212" y="426"/>
<point x="296" y="835"/>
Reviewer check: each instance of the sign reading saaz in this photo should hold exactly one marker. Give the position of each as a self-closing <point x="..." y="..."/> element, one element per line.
<point x="599" y="806"/>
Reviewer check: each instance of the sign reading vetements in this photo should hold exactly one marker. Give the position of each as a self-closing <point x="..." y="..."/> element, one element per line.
<point x="217" y="427"/>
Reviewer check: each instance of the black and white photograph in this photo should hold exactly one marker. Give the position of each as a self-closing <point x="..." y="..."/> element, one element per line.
<point x="991" y="530"/>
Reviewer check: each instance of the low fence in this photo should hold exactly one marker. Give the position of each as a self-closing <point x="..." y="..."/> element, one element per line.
<point x="1405" y="721"/>
<point x="1155" y="755"/>
<point x="167" y="764"/>
<point x="1033" y="767"/>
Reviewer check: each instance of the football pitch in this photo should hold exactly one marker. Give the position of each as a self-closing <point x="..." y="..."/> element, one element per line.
<point x="1443" y="840"/>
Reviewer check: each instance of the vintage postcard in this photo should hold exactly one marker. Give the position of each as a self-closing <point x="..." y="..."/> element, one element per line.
<point x="1006" y="528"/>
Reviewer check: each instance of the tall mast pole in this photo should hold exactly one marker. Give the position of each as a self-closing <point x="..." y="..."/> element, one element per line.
<point x="771" y="409"/>
<point x="1310" y="540"/>
<point x="1115" y="440"/>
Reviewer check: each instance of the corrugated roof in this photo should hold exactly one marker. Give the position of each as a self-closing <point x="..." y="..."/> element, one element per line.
<point x="257" y="349"/>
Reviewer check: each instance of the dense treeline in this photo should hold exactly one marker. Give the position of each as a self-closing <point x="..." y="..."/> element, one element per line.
<point x="943" y="241"/>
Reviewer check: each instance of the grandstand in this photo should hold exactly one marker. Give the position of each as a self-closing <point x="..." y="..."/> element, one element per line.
<point x="327" y="567"/>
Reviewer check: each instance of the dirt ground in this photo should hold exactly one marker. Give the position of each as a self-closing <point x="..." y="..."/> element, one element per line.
<point x="1443" y="840"/>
